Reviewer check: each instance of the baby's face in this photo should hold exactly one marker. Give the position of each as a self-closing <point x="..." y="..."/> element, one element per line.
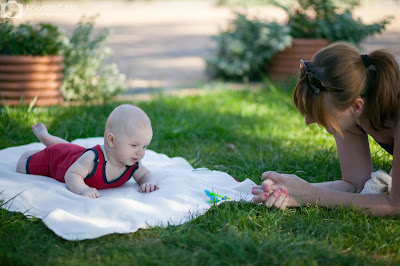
<point x="131" y="146"/>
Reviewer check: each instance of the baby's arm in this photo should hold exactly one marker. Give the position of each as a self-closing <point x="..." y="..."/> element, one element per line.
<point x="76" y="173"/>
<point x="146" y="180"/>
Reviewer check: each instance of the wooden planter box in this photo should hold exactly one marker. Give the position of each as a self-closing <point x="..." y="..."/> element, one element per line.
<point x="285" y="64"/>
<point x="28" y="77"/>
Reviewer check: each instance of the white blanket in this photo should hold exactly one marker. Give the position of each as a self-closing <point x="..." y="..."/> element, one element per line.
<point x="380" y="182"/>
<point x="119" y="210"/>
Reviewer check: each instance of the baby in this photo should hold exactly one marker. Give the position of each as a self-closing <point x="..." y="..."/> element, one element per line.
<point x="127" y="134"/>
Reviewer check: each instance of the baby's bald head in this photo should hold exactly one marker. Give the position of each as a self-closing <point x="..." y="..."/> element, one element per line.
<point x="125" y="119"/>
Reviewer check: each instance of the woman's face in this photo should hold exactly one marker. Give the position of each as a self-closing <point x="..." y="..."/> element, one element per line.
<point x="345" y="119"/>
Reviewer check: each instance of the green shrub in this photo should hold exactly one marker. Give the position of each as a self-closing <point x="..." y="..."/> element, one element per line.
<point x="87" y="75"/>
<point x="323" y="19"/>
<point x="248" y="45"/>
<point x="245" y="47"/>
<point x="25" y="39"/>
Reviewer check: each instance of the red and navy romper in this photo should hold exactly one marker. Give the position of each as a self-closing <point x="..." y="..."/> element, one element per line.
<point x="55" y="160"/>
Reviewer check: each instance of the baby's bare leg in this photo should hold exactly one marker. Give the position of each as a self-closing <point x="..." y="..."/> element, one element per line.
<point x="44" y="136"/>
<point x="21" y="165"/>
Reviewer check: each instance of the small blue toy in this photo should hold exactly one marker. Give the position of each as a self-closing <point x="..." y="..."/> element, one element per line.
<point x="214" y="197"/>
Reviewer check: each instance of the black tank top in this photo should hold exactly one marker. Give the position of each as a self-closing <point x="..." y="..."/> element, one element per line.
<point x="388" y="148"/>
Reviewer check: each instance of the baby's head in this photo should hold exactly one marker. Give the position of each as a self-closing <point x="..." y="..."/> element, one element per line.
<point x="127" y="133"/>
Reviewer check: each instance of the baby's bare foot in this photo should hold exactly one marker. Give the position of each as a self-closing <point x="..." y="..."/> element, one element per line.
<point x="44" y="136"/>
<point x="41" y="133"/>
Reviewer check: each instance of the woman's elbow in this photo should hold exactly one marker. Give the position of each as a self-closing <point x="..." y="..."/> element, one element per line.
<point x="394" y="204"/>
<point x="387" y="207"/>
<point x="357" y="183"/>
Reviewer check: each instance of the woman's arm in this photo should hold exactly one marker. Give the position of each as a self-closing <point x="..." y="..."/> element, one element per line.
<point x="338" y="185"/>
<point x="394" y="195"/>
<point x="355" y="162"/>
<point x="354" y="157"/>
<point x="375" y="204"/>
<point x="301" y="192"/>
<point x="356" y="167"/>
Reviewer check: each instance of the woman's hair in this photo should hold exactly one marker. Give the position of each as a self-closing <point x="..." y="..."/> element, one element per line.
<point x="340" y="66"/>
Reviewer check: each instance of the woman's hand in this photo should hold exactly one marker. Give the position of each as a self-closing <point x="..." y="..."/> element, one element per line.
<point x="276" y="199"/>
<point x="276" y="185"/>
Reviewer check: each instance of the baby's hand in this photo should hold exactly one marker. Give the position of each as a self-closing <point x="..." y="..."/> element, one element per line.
<point x="147" y="188"/>
<point x="90" y="193"/>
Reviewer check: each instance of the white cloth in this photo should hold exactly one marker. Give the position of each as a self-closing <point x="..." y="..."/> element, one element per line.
<point x="380" y="182"/>
<point x="119" y="210"/>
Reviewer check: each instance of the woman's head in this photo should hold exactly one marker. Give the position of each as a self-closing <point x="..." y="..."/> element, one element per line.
<point x="337" y="76"/>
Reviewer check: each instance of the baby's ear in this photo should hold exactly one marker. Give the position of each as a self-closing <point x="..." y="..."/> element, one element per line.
<point x="110" y="139"/>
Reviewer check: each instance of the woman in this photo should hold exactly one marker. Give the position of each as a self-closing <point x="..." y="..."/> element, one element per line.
<point x="352" y="96"/>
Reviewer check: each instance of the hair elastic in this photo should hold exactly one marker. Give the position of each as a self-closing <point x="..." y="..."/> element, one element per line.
<point x="365" y="60"/>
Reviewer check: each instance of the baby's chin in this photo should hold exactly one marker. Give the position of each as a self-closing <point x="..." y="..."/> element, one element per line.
<point x="131" y="163"/>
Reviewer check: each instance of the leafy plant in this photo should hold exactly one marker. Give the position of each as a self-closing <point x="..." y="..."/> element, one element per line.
<point x="323" y="19"/>
<point x="25" y="39"/>
<point x="87" y="75"/>
<point x="245" y="47"/>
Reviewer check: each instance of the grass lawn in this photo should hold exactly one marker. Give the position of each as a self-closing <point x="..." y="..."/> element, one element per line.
<point x="243" y="133"/>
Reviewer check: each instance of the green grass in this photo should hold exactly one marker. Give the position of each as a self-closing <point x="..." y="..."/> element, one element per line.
<point x="243" y="133"/>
